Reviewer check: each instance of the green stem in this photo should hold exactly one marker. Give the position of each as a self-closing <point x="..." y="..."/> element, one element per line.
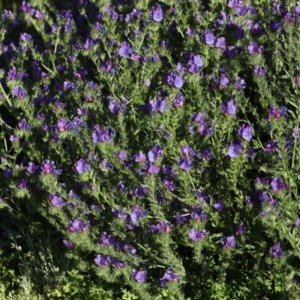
<point x="191" y="180"/>
<point x="5" y="95"/>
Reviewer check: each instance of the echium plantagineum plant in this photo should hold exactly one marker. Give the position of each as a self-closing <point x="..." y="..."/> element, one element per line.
<point x="160" y="139"/>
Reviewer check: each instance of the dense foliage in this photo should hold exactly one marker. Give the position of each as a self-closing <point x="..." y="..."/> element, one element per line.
<point x="150" y="150"/>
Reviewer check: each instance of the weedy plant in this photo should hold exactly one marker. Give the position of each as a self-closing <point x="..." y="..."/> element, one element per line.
<point x="150" y="150"/>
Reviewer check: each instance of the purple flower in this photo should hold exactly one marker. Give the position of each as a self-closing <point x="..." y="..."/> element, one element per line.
<point x="118" y="264"/>
<point x="102" y="135"/>
<point x="39" y="15"/>
<point x="273" y="113"/>
<point x="77" y="225"/>
<point x="297" y="8"/>
<point x="224" y="81"/>
<point x="75" y="124"/>
<point x="187" y="151"/>
<point x="125" y="50"/>
<point x="296" y="133"/>
<point x="250" y="153"/>
<point x="298" y="77"/>
<point x="203" y="198"/>
<point x="8" y="173"/>
<point x="257" y="29"/>
<point x="205" y="129"/>
<point x="102" y="260"/>
<point x="105" y="165"/>
<point x="160" y="227"/>
<point x="81" y="166"/>
<point x="129" y="249"/>
<point x="180" y="68"/>
<point x="276" y="250"/>
<point x="283" y="111"/>
<point x="185" y="164"/>
<point x="107" y="67"/>
<point x="179" y="100"/>
<point x="199" y="117"/>
<point x="106" y="239"/>
<point x="209" y="38"/>
<point x="92" y="85"/>
<point x="19" y="92"/>
<point x="195" y="63"/>
<point x="157" y="106"/>
<point x="155" y="153"/>
<point x="254" y="48"/>
<point x="289" y="142"/>
<point x="68" y="244"/>
<point x="69" y="85"/>
<point x="203" y="126"/>
<point x="56" y="200"/>
<point x="89" y="44"/>
<point x="229" y="242"/>
<point x="136" y="57"/>
<point x="240" y="83"/>
<point x="175" y="79"/>
<point x="234" y="3"/>
<point x="122" y="155"/>
<point x="23" y="184"/>
<point x="31" y="167"/>
<point x="221" y="43"/>
<point x="14" y="138"/>
<point x="219" y="205"/>
<point x="26" y="8"/>
<point x="241" y="229"/>
<point x="136" y="13"/>
<point x="229" y="107"/>
<point x="25" y="37"/>
<point x="169" y="184"/>
<point x="197" y="60"/>
<point x="235" y="149"/>
<point x="278" y="185"/>
<point x="111" y="11"/>
<point x="141" y="191"/>
<point x="59" y="105"/>
<point x="168" y="170"/>
<point x="271" y="146"/>
<point x="246" y="132"/>
<point x="178" y="81"/>
<point x="231" y="52"/>
<point x="73" y="195"/>
<point x="140" y="157"/>
<point x="13" y="75"/>
<point x="48" y="167"/>
<point x="182" y="218"/>
<point x="136" y="213"/>
<point x="8" y="14"/>
<point x="157" y="14"/>
<point x="169" y="276"/>
<point x="198" y="215"/>
<point x="116" y="107"/>
<point x="120" y="214"/>
<point x="297" y="223"/>
<point x="139" y="276"/>
<point x="260" y="71"/>
<point x="195" y="235"/>
<point x="275" y="26"/>
<point x="152" y="168"/>
<point x="62" y="124"/>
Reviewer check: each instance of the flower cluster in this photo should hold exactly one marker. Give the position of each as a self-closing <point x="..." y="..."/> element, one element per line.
<point x="156" y="136"/>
